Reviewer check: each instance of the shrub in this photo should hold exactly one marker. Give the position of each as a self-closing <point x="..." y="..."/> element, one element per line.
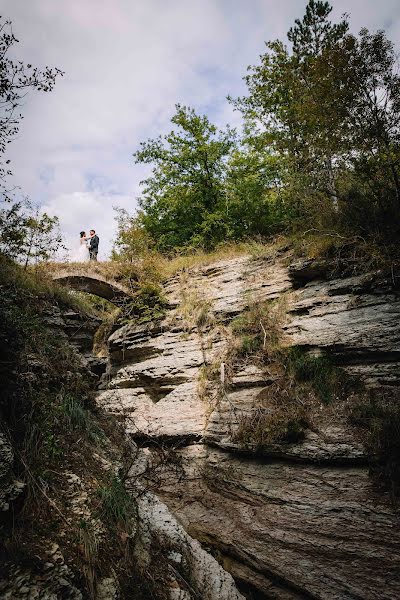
<point x="148" y="304"/>
<point x="328" y="381"/>
<point x="279" y="419"/>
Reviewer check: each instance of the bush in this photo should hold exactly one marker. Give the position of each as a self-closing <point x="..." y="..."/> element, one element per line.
<point x="147" y="305"/>
<point x="328" y="381"/>
<point x="280" y="419"/>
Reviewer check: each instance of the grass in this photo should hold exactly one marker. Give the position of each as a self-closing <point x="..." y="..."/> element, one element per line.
<point x="257" y="330"/>
<point x="45" y="405"/>
<point x="345" y="254"/>
<point x="194" y="309"/>
<point x="117" y="507"/>
<point x="329" y="382"/>
<point x="79" y="418"/>
<point x="280" y="417"/>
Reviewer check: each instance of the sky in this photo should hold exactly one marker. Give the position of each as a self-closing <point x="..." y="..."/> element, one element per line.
<point x="127" y="63"/>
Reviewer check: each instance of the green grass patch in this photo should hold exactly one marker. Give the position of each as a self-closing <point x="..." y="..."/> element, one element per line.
<point x="78" y="417"/>
<point x="328" y="381"/>
<point x="116" y="505"/>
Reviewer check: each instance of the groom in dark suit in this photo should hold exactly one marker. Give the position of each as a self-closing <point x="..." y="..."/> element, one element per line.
<point x="93" y="245"/>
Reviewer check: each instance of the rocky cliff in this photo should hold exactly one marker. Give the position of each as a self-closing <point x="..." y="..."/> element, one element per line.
<point x="291" y="519"/>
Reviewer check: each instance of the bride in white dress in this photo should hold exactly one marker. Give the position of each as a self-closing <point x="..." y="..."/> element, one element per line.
<point x="81" y="254"/>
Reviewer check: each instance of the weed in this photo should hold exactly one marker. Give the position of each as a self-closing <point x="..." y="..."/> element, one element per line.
<point x="249" y="344"/>
<point x="117" y="505"/>
<point x="280" y="417"/>
<point x="194" y="309"/>
<point x="80" y="418"/>
<point x="328" y="381"/>
<point x="257" y="331"/>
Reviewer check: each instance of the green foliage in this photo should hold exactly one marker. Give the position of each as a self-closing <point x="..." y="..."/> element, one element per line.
<point x="249" y="344"/>
<point x="36" y="397"/>
<point x="16" y="79"/>
<point x="328" y="107"/>
<point x="320" y="149"/>
<point x="257" y="330"/>
<point x="28" y="235"/>
<point x="116" y="505"/>
<point x="80" y="418"/>
<point x="327" y="380"/>
<point x="147" y="305"/>
<point x="183" y="199"/>
<point x="133" y="241"/>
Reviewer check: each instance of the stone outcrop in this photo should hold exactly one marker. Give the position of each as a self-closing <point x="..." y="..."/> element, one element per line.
<point x="289" y="520"/>
<point x="10" y="487"/>
<point x="195" y="571"/>
<point x="296" y="530"/>
<point x="356" y="319"/>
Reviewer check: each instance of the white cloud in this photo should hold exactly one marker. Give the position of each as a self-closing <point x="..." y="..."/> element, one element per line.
<point x="94" y="211"/>
<point x="126" y="63"/>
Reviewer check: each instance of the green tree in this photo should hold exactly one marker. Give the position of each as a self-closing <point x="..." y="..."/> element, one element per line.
<point x="16" y="79"/>
<point x="42" y="239"/>
<point x="254" y="204"/>
<point x="184" y="198"/>
<point x="27" y="234"/>
<point x="132" y="241"/>
<point x="292" y="100"/>
<point x="328" y="105"/>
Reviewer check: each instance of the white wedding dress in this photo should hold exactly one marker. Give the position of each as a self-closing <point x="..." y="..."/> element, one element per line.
<point x="81" y="254"/>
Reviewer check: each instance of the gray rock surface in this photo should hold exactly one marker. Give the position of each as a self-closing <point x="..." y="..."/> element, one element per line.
<point x="196" y="572"/>
<point x="356" y="319"/>
<point x="317" y="532"/>
<point x="294" y="520"/>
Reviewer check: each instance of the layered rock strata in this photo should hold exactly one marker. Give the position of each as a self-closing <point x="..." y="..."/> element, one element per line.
<point x="298" y="519"/>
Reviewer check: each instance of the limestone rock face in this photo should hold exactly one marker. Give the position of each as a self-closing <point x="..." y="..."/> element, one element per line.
<point x="200" y="570"/>
<point x="290" y="520"/>
<point x="10" y="487"/>
<point x="74" y="326"/>
<point x="357" y="319"/>
<point x="303" y="530"/>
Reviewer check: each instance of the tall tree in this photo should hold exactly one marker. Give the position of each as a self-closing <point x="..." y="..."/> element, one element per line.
<point x="183" y="198"/>
<point x="328" y="104"/>
<point x="27" y="234"/>
<point x="16" y="79"/>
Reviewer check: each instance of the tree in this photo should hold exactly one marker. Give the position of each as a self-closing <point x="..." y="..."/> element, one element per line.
<point x="132" y="241"/>
<point x="328" y="105"/>
<point x="16" y="79"/>
<point x="183" y="199"/>
<point x="28" y="235"/>
<point x="253" y="200"/>
<point x="293" y="98"/>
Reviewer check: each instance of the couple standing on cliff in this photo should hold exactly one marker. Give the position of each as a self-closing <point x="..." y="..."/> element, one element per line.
<point x="88" y="247"/>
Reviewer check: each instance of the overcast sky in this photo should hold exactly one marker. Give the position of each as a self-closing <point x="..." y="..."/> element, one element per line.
<point x="127" y="63"/>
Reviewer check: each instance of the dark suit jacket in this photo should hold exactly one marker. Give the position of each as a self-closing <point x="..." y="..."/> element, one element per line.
<point x="94" y="244"/>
